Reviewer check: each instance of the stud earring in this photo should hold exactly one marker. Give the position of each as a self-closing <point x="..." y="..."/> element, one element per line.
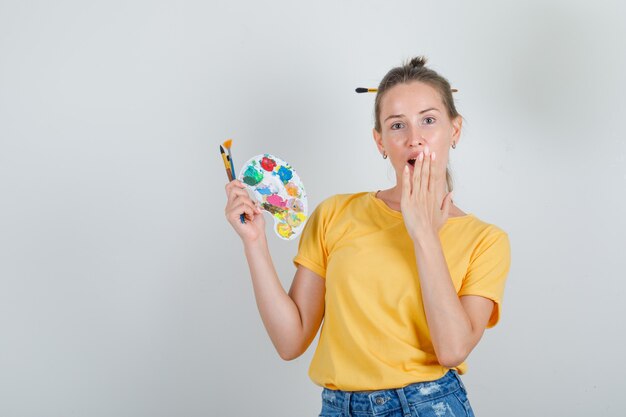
<point x="384" y="155"/>
<point x="453" y="145"/>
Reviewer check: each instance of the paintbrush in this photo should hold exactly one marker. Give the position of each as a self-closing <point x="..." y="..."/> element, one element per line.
<point x="366" y="90"/>
<point x="375" y="90"/>
<point x="229" y="173"/>
<point x="227" y="144"/>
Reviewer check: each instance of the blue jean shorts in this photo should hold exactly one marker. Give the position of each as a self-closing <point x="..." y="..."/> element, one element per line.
<point x="444" y="397"/>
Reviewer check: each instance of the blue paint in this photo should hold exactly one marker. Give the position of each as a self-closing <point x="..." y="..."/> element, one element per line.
<point x="285" y="174"/>
<point x="264" y="190"/>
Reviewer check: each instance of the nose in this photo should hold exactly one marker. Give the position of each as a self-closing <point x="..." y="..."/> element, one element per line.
<point x="415" y="138"/>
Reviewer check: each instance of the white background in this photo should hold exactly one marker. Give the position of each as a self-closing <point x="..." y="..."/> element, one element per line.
<point x="124" y="291"/>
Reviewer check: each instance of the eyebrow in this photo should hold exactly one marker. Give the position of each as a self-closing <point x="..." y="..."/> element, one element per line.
<point x="402" y="115"/>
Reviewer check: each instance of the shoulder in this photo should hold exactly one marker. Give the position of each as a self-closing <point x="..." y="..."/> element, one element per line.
<point x="336" y="209"/>
<point x="476" y="225"/>
<point x="489" y="237"/>
<point x="491" y="228"/>
<point x="476" y="232"/>
<point x="338" y="202"/>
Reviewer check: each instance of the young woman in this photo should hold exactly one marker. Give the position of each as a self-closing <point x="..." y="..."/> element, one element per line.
<point x="405" y="281"/>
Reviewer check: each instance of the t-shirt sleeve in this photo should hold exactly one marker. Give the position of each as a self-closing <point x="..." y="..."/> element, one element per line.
<point x="487" y="272"/>
<point x="312" y="250"/>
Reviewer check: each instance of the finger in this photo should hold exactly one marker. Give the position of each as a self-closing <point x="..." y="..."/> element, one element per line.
<point x="242" y="208"/>
<point x="433" y="172"/>
<point x="417" y="172"/>
<point x="406" y="183"/>
<point x="233" y="185"/>
<point x="237" y="192"/>
<point x="239" y="198"/>
<point x="424" y="175"/>
<point x="249" y="213"/>
<point x="237" y="202"/>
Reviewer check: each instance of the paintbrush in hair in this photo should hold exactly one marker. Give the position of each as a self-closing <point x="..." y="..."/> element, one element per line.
<point x="366" y="90"/>
<point x="375" y="90"/>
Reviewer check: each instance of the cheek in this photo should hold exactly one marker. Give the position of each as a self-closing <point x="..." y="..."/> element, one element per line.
<point x="392" y="140"/>
<point x="438" y="141"/>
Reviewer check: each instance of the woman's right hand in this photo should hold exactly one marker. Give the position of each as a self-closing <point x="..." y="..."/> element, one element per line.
<point x="239" y="202"/>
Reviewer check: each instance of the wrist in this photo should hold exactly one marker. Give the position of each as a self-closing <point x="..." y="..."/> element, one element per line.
<point x="255" y="245"/>
<point x="425" y="241"/>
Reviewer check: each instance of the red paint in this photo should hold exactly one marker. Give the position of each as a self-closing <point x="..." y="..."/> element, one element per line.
<point x="268" y="164"/>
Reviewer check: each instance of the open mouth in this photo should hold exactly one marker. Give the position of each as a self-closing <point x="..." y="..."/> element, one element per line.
<point x="411" y="162"/>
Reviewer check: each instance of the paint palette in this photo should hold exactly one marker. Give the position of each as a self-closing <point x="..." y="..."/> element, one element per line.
<point x="279" y="191"/>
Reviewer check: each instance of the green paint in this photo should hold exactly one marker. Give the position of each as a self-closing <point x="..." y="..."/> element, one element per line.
<point x="252" y="176"/>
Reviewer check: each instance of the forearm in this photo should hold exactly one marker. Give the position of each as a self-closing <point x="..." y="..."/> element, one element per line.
<point x="279" y="312"/>
<point x="449" y="325"/>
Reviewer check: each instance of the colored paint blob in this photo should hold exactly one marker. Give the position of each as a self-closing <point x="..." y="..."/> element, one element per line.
<point x="276" y="200"/>
<point x="284" y="230"/>
<point x="295" y="205"/>
<point x="285" y="174"/>
<point x="295" y="219"/>
<point x="252" y="176"/>
<point x="273" y="209"/>
<point x="268" y="164"/>
<point x="292" y="189"/>
<point x="264" y="190"/>
<point x="281" y="193"/>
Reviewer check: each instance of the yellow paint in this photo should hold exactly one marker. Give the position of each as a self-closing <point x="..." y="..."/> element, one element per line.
<point x="295" y="219"/>
<point x="284" y="230"/>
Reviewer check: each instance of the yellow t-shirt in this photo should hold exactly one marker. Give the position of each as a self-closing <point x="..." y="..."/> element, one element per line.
<point x="375" y="335"/>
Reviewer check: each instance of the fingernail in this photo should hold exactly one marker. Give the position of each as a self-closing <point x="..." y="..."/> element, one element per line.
<point x="427" y="151"/>
<point x="421" y="156"/>
<point x="432" y="156"/>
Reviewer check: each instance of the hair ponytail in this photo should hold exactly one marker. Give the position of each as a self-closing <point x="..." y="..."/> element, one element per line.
<point x="418" y="62"/>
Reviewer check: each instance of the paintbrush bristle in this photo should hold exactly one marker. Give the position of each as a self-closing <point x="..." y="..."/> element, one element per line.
<point x="227" y="143"/>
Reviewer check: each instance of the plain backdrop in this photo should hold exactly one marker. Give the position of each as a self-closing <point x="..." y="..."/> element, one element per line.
<point x="124" y="291"/>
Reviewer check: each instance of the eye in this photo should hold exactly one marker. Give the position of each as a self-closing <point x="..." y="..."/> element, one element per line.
<point x="429" y="120"/>
<point x="397" y="125"/>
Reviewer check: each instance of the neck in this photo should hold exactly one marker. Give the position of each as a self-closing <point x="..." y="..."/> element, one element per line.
<point x="391" y="196"/>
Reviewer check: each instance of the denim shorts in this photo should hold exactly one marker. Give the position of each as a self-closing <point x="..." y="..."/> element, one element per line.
<point x="444" y="397"/>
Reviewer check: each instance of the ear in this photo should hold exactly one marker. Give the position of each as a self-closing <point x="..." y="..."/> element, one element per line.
<point x="379" y="140"/>
<point x="457" y="123"/>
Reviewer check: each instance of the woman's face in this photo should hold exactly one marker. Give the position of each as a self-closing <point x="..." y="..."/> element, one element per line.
<point x="413" y="118"/>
